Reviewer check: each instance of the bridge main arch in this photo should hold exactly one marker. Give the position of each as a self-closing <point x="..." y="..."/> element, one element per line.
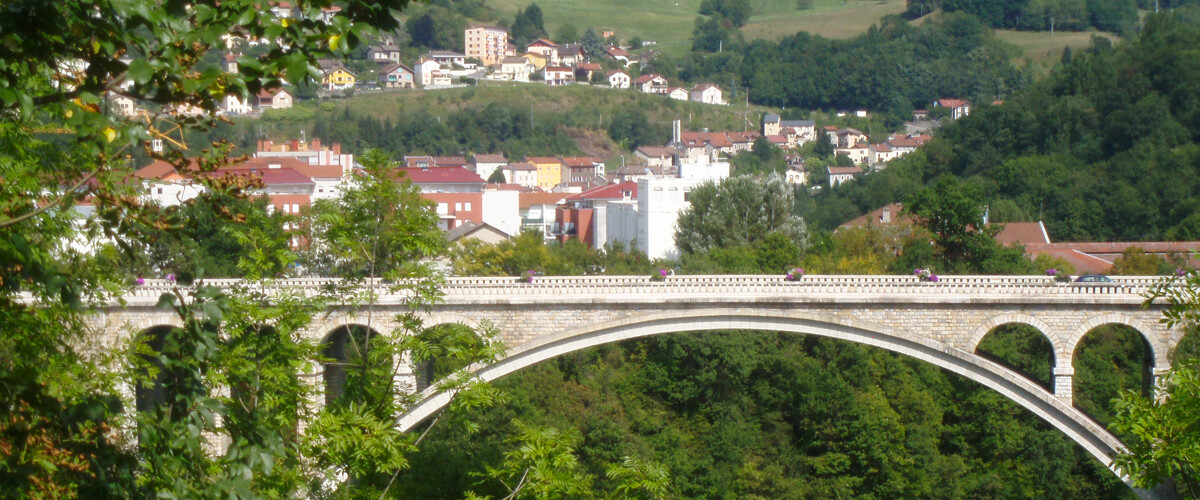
<point x="1068" y="420"/>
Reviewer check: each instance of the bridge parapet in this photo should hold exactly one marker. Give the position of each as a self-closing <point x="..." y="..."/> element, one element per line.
<point x="1124" y="289"/>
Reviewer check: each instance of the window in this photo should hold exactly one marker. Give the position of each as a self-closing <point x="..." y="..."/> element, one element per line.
<point x="442" y="209"/>
<point x="468" y="206"/>
<point x="295" y="208"/>
<point x="457" y="207"/>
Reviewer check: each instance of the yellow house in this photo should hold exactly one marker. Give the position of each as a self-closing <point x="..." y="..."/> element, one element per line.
<point x="338" y="78"/>
<point x="549" y="171"/>
<point x="537" y="60"/>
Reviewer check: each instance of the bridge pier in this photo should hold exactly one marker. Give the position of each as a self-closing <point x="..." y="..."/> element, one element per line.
<point x="1064" y="380"/>
<point x="1159" y="375"/>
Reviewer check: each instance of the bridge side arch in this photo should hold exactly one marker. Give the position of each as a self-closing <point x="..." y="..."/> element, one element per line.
<point x="1158" y="351"/>
<point x="1057" y="343"/>
<point x="1024" y="392"/>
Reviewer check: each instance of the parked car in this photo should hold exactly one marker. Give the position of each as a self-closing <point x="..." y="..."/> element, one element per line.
<point x="1093" y="278"/>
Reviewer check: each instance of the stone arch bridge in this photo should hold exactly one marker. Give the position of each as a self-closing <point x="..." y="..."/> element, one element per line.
<point x="941" y="323"/>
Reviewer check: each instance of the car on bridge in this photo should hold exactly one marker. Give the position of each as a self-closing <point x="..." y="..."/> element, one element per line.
<point x="1094" y="279"/>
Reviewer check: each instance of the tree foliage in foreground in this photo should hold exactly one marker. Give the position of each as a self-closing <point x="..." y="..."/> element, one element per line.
<point x="234" y="368"/>
<point x="1165" y="444"/>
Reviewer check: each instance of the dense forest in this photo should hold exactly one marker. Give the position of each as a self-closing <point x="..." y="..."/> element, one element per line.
<point x="1105" y="148"/>
<point x="1046" y="15"/>
<point x="893" y="68"/>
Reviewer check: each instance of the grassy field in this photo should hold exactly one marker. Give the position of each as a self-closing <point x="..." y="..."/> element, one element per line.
<point x="775" y="19"/>
<point x="670" y="22"/>
<point x="1045" y="49"/>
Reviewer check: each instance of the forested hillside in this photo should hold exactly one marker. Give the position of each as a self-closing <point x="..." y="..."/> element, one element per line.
<point x="1103" y="149"/>
<point x="893" y="68"/>
<point x="1038" y="15"/>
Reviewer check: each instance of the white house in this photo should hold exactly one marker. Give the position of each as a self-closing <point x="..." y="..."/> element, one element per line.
<point x="678" y="93"/>
<point x="559" y="75"/>
<point x="501" y="210"/>
<point x="233" y="105"/>
<point x="648" y="223"/>
<point x="618" y="79"/>
<point x="958" y="107"/>
<point x="707" y="93"/>
<point x="796" y="175"/>
<point x="521" y="173"/>
<point x="485" y="165"/>
<point x="517" y="68"/>
<point x="651" y="84"/>
<point x="425" y="70"/>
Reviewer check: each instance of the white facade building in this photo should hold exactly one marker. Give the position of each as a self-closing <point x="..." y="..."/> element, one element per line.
<point x="648" y="223"/>
<point x="502" y="210"/>
<point x="701" y="168"/>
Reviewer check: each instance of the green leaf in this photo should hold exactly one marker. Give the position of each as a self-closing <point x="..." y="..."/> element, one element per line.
<point x="140" y="71"/>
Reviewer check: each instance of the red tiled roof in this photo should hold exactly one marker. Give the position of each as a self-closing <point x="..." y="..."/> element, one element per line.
<point x="542" y="159"/>
<point x="777" y="139"/>
<point x="543" y="42"/>
<point x="270" y="176"/>
<point x="394" y="67"/>
<point x="1024" y="233"/>
<point x="607" y="192"/>
<point x="904" y="142"/>
<point x="270" y="93"/>
<point x="287" y="199"/>
<point x="952" y="103"/>
<point x="156" y="170"/>
<point x="645" y="78"/>
<point x="844" y="170"/>
<point x="589" y="66"/>
<point x="616" y="51"/>
<point x="441" y="175"/>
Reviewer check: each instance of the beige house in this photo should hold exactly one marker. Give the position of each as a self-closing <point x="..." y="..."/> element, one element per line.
<point x="544" y="47"/>
<point x="486" y="43"/>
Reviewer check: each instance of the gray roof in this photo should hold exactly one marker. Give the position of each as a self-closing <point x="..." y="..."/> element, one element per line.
<point x="797" y="123"/>
<point x="770" y="117"/>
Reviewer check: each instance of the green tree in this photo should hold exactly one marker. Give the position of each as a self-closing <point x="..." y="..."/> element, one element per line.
<point x="591" y="43"/>
<point x="738" y="211"/>
<point x="63" y="427"/>
<point x="1165" y="449"/>
<point x="566" y="33"/>
<point x="824" y="146"/>
<point x="1136" y="262"/>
